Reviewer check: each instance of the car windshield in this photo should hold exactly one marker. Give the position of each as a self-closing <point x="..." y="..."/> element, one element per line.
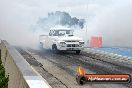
<point x="62" y="32"/>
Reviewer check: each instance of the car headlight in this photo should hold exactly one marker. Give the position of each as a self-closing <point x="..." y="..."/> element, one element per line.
<point x="62" y="43"/>
<point x="81" y="43"/>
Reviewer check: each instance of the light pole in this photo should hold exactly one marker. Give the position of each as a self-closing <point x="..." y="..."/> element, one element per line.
<point x="86" y="25"/>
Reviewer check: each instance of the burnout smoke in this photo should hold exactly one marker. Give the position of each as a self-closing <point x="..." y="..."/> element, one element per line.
<point x="114" y="24"/>
<point x="111" y="20"/>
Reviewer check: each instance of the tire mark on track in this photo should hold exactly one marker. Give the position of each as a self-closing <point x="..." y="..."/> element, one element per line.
<point x="88" y="62"/>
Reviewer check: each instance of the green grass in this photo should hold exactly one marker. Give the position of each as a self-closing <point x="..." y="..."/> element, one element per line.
<point x="3" y="78"/>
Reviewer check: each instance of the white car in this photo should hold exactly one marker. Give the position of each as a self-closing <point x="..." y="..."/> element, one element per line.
<point x="62" y="39"/>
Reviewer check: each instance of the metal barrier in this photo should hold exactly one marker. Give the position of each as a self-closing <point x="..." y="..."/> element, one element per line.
<point x="109" y="57"/>
<point x="21" y="74"/>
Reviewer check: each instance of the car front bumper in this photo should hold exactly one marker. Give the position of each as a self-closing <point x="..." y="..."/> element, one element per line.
<point x="70" y="48"/>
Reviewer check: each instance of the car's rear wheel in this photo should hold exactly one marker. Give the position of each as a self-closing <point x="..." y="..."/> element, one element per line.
<point x="78" y="51"/>
<point x="41" y="45"/>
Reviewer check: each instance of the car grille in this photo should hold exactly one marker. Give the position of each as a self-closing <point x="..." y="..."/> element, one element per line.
<point x="72" y="45"/>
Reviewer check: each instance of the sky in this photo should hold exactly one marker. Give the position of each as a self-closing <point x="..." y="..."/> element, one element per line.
<point x="30" y="10"/>
<point x="18" y="17"/>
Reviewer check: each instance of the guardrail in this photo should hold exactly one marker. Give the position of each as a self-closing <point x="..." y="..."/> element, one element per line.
<point x="21" y="74"/>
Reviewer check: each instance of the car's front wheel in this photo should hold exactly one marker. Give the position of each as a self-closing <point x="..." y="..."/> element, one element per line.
<point x="54" y="49"/>
<point x="78" y="51"/>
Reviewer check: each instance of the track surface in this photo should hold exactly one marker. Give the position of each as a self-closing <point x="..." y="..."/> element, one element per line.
<point x="69" y="62"/>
